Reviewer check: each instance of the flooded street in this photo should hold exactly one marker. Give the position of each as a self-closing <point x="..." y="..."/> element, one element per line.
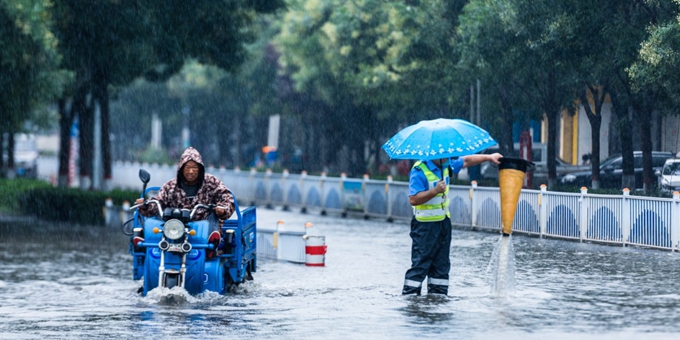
<point x="65" y="282"/>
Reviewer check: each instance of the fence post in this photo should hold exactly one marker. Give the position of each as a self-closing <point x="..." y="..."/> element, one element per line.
<point x="108" y="211"/>
<point x="125" y="212"/>
<point x="583" y="213"/>
<point x="387" y="198"/>
<point x="268" y="188"/>
<point x="473" y="204"/>
<point x="363" y="194"/>
<point x="303" y="177"/>
<point x="343" y="202"/>
<point x="323" y="194"/>
<point x="283" y="189"/>
<point x="625" y="220"/>
<point x="675" y="222"/>
<point x="542" y="210"/>
<point x="251" y="176"/>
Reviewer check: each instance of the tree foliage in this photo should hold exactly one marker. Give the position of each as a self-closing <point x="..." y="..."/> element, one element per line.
<point x="29" y="73"/>
<point x="355" y="71"/>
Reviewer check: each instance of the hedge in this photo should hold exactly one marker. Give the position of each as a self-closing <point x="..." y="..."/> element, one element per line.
<point x="12" y="189"/>
<point x="40" y="199"/>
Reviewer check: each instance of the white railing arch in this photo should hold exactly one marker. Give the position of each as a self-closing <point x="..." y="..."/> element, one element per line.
<point x="613" y="219"/>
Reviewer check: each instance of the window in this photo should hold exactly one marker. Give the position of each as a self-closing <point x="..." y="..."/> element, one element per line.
<point x="658" y="162"/>
<point x="537" y="155"/>
<point x="615" y="164"/>
<point x="672" y="169"/>
<point x="637" y="163"/>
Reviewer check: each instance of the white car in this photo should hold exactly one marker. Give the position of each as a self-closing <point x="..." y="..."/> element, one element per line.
<point x="669" y="176"/>
<point x="25" y="156"/>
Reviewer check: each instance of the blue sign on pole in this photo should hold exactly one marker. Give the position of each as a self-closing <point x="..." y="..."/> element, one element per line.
<point x="75" y="128"/>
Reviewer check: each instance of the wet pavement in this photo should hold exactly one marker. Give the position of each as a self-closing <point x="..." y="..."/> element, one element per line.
<point x="75" y="282"/>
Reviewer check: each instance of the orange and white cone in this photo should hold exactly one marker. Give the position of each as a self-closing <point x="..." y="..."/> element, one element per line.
<point x="511" y="179"/>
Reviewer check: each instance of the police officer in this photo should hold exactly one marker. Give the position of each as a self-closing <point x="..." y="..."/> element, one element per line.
<point x="431" y="223"/>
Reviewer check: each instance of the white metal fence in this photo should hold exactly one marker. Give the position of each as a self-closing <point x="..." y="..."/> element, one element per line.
<point x="616" y="219"/>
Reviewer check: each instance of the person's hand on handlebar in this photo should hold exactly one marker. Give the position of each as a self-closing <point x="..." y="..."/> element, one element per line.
<point x="139" y="201"/>
<point x="220" y="211"/>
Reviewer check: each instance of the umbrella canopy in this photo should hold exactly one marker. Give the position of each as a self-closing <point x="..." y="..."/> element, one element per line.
<point x="438" y="138"/>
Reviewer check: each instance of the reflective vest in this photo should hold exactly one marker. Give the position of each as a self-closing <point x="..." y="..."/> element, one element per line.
<point x="437" y="208"/>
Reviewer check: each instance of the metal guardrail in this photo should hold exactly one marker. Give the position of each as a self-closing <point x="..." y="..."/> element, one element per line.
<point x="612" y="219"/>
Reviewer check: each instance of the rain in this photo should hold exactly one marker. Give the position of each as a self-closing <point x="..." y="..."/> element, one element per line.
<point x="318" y="87"/>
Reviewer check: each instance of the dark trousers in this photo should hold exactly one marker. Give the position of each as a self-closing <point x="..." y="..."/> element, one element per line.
<point x="429" y="257"/>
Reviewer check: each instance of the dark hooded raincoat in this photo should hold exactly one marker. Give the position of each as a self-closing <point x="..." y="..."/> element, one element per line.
<point x="211" y="190"/>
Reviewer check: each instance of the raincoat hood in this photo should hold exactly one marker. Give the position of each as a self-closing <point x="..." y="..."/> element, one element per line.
<point x="190" y="154"/>
<point x="211" y="190"/>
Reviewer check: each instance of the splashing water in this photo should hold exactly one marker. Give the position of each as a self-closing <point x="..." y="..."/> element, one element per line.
<point x="174" y="296"/>
<point x="501" y="268"/>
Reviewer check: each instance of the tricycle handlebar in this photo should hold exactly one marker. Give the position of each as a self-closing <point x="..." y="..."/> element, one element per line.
<point x="158" y="206"/>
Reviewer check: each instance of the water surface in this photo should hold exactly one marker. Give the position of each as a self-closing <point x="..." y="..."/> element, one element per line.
<point x="75" y="282"/>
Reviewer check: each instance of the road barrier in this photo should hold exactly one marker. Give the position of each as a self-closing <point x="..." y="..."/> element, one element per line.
<point x="315" y="250"/>
<point x="611" y="219"/>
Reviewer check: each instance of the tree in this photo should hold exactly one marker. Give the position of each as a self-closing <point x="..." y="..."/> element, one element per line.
<point x="111" y="43"/>
<point x="489" y="52"/>
<point x="379" y="64"/>
<point x="648" y="92"/>
<point x="29" y="74"/>
<point x="545" y="39"/>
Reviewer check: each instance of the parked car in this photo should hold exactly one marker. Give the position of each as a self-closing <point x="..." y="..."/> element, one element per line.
<point x="25" y="156"/>
<point x="611" y="171"/>
<point x="540" y="174"/>
<point x="669" y="176"/>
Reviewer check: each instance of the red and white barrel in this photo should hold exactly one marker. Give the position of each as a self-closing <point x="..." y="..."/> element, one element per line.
<point x="315" y="250"/>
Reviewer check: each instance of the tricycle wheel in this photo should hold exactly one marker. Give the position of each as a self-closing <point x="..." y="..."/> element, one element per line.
<point x="249" y="272"/>
<point x="171" y="280"/>
<point x="228" y="282"/>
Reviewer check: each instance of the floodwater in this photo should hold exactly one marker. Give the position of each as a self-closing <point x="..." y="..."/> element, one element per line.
<point x="64" y="282"/>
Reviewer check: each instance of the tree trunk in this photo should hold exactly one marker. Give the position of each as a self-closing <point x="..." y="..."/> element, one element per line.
<point x="595" y="119"/>
<point x="622" y="109"/>
<point x="10" y="152"/>
<point x="2" y="161"/>
<point x="506" y="144"/>
<point x="86" y="139"/>
<point x="626" y="139"/>
<point x="553" y="115"/>
<point x="65" y="122"/>
<point x="648" y="180"/>
<point x="105" y="135"/>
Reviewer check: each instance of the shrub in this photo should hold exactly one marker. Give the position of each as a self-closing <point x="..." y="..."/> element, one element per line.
<point x="12" y="189"/>
<point x="70" y="205"/>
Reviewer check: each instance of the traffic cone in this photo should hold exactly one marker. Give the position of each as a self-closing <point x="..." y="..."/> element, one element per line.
<point x="511" y="174"/>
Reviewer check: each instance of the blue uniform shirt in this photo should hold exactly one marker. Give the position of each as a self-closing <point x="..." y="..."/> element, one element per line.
<point x="417" y="180"/>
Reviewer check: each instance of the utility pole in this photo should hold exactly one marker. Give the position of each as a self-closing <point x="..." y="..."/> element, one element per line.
<point x="479" y="115"/>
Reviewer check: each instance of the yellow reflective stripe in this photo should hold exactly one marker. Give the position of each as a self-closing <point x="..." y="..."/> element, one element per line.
<point x="437" y="200"/>
<point x="430" y="213"/>
<point x="436" y="209"/>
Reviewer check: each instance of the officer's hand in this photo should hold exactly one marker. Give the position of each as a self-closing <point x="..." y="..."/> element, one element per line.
<point x="496" y="158"/>
<point x="441" y="187"/>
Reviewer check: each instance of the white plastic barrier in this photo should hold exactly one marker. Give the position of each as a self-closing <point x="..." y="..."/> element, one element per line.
<point x="281" y="243"/>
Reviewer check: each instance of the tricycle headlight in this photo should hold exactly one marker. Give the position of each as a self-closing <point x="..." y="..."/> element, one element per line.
<point x="173" y="229"/>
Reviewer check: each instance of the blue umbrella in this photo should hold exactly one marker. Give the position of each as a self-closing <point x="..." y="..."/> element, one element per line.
<point x="438" y="138"/>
